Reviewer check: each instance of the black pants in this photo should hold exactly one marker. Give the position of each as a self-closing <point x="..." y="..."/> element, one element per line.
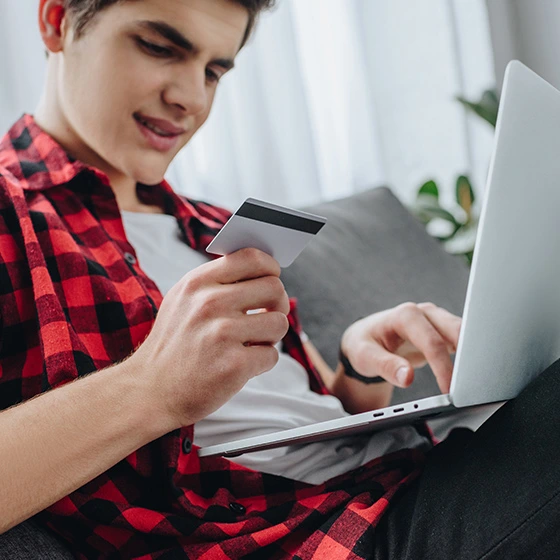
<point x="491" y="494"/>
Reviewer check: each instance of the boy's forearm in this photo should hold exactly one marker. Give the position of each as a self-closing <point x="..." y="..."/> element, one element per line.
<point x="59" y="441"/>
<point x="358" y="397"/>
<point x="354" y="395"/>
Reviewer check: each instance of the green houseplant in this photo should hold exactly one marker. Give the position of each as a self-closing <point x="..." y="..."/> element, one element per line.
<point x="456" y="226"/>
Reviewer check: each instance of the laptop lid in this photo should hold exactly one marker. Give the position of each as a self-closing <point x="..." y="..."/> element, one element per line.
<point x="511" y="321"/>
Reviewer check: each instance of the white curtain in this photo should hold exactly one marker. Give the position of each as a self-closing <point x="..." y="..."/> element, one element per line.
<point x="329" y="98"/>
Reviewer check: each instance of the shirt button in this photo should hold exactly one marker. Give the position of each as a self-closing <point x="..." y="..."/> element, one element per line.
<point x="130" y="258"/>
<point x="236" y="508"/>
<point x="187" y="446"/>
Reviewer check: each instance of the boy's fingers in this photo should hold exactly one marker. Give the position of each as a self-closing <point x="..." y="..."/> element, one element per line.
<point x="447" y="324"/>
<point x="411" y="324"/>
<point x="246" y="264"/>
<point x="373" y="360"/>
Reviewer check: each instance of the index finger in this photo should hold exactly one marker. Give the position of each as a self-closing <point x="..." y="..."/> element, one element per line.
<point x="414" y="326"/>
<point x="447" y="324"/>
<point x="245" y="264"/>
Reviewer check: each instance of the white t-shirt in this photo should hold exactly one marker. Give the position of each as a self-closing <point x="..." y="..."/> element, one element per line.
<point x="276" y="400"/>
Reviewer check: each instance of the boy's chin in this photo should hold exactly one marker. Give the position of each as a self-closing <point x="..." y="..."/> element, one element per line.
<point x="150" y="178"/>
<point x="150" y="182"/>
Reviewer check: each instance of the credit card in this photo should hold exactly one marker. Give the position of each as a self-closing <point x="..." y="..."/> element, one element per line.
<point x="281" y="232"/>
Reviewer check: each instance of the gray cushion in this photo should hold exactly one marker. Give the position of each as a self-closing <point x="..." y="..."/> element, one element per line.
<point x="372" y="255"/>
<point x="28" y="541"/>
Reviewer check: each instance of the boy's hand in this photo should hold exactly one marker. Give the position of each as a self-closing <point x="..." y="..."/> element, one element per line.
<point x="204" y="346"/>
<point x="392" y="343"/>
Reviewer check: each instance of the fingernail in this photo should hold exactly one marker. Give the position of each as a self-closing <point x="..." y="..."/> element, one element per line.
<point x="402" y="375"/>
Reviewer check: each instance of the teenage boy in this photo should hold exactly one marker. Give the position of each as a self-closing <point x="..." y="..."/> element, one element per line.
<point x="110" y="455"/>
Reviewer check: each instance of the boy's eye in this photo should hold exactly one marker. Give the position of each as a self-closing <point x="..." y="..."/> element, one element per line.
<point x="212" y="76"/>
<point x="155" y="50"/>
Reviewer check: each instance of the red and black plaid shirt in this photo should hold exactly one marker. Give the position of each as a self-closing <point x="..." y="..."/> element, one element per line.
<point x="73" y="300"/>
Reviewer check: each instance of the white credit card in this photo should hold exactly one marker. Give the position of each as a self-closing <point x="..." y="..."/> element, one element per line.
<point x="281" y="232"/>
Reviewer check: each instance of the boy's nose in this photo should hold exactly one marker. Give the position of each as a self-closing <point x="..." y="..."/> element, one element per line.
<point x="188" y="91"/>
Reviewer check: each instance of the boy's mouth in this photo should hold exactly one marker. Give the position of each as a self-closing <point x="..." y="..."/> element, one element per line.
<point x="160" y="134"/>
<point x="159" y="126"/>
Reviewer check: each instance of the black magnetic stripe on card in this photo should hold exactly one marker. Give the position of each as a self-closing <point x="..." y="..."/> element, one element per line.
<point x="277" y="218"/>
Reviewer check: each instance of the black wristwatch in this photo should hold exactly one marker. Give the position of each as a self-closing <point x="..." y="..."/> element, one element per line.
<point x="351" y="372"/>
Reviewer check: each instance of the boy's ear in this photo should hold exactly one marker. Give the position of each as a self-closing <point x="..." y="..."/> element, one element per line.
<point x="52" y="16"/>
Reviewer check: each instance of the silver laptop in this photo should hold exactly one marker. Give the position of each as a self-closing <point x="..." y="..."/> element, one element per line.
<point x="511" y="321"/>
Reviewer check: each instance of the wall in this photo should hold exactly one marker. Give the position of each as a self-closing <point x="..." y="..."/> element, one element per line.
<point x="528" y="30"/>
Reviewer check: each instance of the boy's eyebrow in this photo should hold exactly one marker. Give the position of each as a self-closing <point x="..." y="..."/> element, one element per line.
<point x="176" y="37"/>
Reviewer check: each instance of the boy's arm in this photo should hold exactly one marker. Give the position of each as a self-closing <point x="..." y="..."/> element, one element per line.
<point x="354" y="395"/>
<point x="391" y="344"/>
<point x="56" y="442"/>
<point x="202" y="349"/>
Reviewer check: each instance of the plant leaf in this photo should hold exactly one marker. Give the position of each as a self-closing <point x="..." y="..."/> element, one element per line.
<point x="463" y="241"/>
<point x="441" y="229"/>
<point x="465" y="195"/>
<point x="486" y="107"/>
<point x="444" y="238"/>
<point x="427" y="212"/>
<point x="429" y="188"/>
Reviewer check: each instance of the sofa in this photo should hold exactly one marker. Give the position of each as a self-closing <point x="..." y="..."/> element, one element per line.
<point x="371" y="255"/>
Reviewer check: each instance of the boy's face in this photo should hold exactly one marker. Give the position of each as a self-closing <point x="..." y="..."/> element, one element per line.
<point x="141" y="80"/>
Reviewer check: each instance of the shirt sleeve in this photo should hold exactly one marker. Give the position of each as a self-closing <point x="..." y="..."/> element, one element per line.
<point x="21" y="362"/>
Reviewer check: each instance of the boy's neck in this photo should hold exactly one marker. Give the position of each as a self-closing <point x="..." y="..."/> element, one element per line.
<point x="127" y="196"/>
<point x="51" y="119"/>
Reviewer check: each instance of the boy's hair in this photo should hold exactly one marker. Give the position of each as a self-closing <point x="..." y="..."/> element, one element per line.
<point x="83" y="11"/>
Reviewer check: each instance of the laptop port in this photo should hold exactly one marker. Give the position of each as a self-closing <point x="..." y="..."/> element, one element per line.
<point x="378" y="414"/>
<point x="398" y="409"/>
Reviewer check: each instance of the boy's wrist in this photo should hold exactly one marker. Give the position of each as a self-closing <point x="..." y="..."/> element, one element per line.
<point x="356" y="396"/>
<point x="142" y="400"/>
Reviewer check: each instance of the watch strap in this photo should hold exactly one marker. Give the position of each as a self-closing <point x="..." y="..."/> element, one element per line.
<point x="351" y="372"/>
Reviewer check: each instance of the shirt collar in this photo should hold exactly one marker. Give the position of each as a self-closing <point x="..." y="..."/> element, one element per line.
<point x="37" y="160"/>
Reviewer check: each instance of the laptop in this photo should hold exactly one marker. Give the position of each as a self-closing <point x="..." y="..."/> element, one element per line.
<point x="511" y="319"/>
